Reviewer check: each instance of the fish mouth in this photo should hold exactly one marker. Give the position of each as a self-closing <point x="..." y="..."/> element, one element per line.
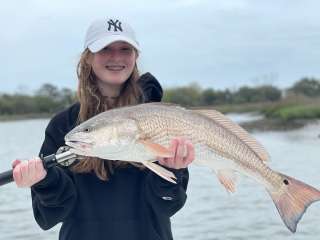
<point x="83" y="145"/>
<point x="86" y="149"/>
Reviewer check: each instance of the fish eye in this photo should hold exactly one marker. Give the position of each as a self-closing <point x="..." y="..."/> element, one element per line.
<point x="87" y="130"/>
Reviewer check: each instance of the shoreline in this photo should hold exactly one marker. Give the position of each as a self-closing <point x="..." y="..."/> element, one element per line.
<point x="266" y="124"/>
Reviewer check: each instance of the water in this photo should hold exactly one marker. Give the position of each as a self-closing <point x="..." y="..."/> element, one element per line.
<point x="210" y="212"/>
<point x="245" y="117"/>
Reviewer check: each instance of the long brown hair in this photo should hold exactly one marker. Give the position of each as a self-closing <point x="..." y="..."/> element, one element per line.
<point x="93" y="102"/>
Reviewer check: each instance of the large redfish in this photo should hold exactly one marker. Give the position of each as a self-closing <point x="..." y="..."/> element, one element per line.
<point x="141" y="133"/>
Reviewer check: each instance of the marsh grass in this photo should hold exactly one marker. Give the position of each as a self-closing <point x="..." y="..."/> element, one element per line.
<point x="294" y="108"/>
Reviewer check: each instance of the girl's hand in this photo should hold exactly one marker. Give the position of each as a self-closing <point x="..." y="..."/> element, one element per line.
<point x="180" y="159"/>
<point x="28" y="173"/>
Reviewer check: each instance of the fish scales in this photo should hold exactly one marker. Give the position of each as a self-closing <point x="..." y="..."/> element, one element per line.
<point x="181" y="123"/>
<point x="177" y="121"/>
<point x="143" y="132"/>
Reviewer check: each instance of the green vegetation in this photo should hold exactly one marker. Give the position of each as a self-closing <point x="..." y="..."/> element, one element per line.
<point x="298" y="112"/>
<point x="301" y="101"/>
<point x="193" y="95"/>
<point x="294" y="107"/>
<point x="47" y="100"/>
<point x="307" y="87"/>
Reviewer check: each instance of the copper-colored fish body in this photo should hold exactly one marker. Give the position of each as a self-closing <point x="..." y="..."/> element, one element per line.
<point x="140" y="133"/>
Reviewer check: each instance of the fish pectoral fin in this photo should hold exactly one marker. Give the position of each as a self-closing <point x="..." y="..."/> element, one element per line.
<point x="161" y="171"/>
<point x="228" y="179"/>
<point x="157" y="149"/>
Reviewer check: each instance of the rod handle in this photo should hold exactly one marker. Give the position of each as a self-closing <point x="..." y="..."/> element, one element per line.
<point x="6" y="177"/>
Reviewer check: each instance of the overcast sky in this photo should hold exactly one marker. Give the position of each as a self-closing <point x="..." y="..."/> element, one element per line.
<point x="219" y="44"/>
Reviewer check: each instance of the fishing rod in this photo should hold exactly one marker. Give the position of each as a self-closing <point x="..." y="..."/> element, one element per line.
<point x="63" y="157"/>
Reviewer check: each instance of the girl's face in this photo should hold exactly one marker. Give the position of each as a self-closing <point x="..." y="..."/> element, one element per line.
<point x="113" y="65"/>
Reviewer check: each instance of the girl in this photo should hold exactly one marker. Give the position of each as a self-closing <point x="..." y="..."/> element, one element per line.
<point x="99" y="199"/>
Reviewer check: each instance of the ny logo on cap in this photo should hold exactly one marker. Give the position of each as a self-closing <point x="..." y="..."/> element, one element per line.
<point x="115" y="24"/>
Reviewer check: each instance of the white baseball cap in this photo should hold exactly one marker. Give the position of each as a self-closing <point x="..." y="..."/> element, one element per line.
<point x="103" y="32"/>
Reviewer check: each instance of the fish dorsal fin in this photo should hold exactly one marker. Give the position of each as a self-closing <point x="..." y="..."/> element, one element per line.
<point x="236" y="129"/>
<point x="165" y="104"/>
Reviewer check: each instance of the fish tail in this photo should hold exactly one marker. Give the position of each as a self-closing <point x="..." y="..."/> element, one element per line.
<point x="293" y="199"/>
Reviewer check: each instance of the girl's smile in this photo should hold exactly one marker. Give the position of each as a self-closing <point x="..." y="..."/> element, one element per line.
<point x="113" y="65"/>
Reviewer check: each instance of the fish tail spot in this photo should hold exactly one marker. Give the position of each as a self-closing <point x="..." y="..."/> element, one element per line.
<point x="293" y="199"/>
<point x="286" y="182"/>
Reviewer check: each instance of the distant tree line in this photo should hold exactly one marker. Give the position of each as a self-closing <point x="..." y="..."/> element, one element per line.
<point x="50" y="99"/>
<point x="47" y="99"/>
<point x="193" y="95"/>
<point x="309" y="87"/>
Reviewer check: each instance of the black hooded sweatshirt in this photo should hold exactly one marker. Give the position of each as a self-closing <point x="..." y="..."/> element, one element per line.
<point x="133" y="204"/>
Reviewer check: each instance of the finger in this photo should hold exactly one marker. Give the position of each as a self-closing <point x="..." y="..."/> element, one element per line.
<point x="32" y="170"/>
<point x="41" y="172"/>
<point x="173" y="146"/>
<point x="167" y="162"/>
<point x="17" y="177"/>
<point x="39" y="164"/>
<point x="180" y="151"/>
<point x="15" y="163"/>
<point x="190" y="153"/>
<point x="174" y="161"/>
<point x="24" y="172"/>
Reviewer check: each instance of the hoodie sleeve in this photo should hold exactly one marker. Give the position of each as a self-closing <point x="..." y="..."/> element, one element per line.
<point x="53" y="198"/>
<point x="151" y="88"/>
<point x="166" y="198"/>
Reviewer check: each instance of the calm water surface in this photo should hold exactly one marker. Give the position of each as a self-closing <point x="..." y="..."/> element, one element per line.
<point x="210" y="212"/>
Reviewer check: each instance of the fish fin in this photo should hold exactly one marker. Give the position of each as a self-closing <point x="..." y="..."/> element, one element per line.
<point x="167" y="104"/>
<point x="228" y="179"/>
<point x="161" y="171"/>
<point x="225" y="122"/>
<point x="157" y="149"/>
<point x="293" y="199"/>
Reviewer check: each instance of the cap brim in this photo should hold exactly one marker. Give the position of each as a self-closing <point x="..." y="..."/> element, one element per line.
<point x="98" y="45"/>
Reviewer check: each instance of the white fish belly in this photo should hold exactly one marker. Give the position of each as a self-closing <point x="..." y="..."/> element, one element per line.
<point x="205" y="156"/>
<point x="131" y="153"/>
